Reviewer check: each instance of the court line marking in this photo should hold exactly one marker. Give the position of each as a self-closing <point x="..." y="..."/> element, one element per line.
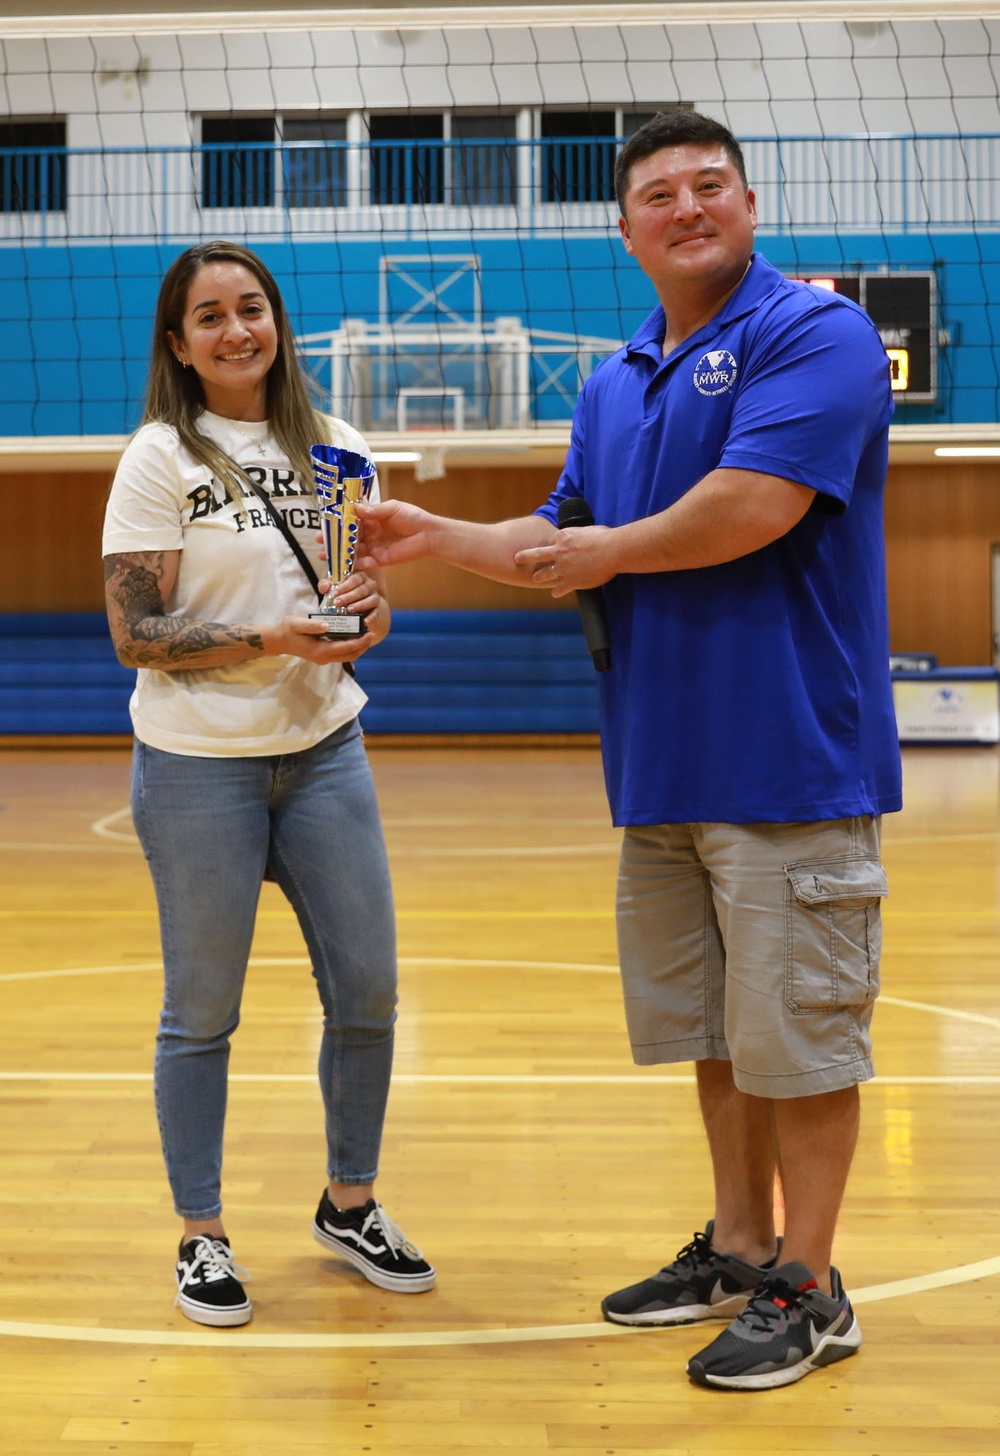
<point x="13" y="845"/>
<point x="461" y="962"/>
<point x="288" y="914"/>
<point x="979" y="1018"/>
<point x="120" y="844"/>
<point x="890" y="913"/>
<point x="459" y="821"/>
<point x="131" y="967"/>
<point x="403" y="1339"/>
<point x="489" y="1079"/>
<point x="125" y="841"/>
<point x="971" y="835"/>
<point x="939" y="1279"/>
<point x="533" y="851"/>
<point x="104" y="827"/>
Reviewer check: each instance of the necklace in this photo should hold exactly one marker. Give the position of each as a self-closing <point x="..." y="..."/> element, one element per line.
<point x="258" y="440"/>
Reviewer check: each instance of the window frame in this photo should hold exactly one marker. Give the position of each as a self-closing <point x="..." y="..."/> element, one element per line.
<point x="33" y="172"/>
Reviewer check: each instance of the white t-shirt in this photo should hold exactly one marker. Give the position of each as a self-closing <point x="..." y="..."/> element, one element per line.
<point x="235" y="568"/>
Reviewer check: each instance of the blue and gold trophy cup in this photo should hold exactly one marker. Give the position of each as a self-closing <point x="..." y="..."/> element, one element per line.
<point x="342" y="479"/>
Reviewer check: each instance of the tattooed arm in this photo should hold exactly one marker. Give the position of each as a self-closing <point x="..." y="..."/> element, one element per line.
<point x="137" y="584"/>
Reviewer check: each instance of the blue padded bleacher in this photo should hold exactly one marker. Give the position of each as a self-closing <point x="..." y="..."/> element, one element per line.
<point x="438" y="672"/>
<point x="480" y="672"/>
<point x="59" y="675"/>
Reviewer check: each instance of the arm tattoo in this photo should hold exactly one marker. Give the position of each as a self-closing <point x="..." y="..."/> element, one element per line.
<point x="144" y="636"/>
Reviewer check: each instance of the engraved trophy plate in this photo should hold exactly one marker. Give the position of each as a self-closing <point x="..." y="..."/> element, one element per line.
<point x="342" y="478"/>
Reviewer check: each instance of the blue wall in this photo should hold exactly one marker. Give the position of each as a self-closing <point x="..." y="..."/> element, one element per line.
<point x="75" y="319"/>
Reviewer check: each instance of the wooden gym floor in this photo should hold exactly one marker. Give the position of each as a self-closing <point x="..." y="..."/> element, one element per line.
<point x="535" y="1165"/>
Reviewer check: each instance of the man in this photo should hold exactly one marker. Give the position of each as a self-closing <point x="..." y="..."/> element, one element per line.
<point x="733" y="455"/>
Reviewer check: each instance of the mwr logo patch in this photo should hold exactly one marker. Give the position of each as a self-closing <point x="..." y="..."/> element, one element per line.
<point x="715" y="372"/>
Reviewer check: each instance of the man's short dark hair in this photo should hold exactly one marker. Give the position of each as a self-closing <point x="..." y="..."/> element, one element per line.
<point x="674" y="126"/>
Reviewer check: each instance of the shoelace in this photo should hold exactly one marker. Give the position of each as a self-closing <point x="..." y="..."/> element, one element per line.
<point x="215" y="1260"/>
<point x="396" y="1241"/>
<point x="698" y="1251"/>
<point x="771" y="1305"/>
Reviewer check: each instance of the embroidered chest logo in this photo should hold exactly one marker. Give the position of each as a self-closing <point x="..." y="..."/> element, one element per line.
<point x="715" y="372"/>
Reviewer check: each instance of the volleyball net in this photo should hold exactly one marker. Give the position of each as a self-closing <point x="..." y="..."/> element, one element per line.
<point x="437" y="201"/>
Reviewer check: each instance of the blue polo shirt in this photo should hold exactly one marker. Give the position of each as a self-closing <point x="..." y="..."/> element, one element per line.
<point x="757" y="690"/>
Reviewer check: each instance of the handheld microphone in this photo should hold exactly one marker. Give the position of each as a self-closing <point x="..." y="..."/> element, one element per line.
<point x="574" y="511"/>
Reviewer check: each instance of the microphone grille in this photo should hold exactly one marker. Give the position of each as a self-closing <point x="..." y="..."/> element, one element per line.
<point x="574" y="511"/>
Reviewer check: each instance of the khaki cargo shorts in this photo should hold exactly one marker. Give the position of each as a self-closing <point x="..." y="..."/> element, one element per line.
<point x="757" y="944"/>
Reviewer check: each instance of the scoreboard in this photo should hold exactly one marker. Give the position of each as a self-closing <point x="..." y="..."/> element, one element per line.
<point x="903" y="307"/>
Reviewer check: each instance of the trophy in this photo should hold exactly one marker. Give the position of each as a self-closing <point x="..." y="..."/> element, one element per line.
<point x="342" y="478"/>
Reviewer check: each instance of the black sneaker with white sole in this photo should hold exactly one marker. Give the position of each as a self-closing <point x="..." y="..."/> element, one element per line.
<point x="210" y="1283"/>
<point x="367" y="1238"/>
<point x="788" y="1329"/>
<point x="700" y="1284"/>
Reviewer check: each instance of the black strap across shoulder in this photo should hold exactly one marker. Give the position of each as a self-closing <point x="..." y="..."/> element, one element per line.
<point x="282" y="526"/>
<point x="300" y="555"/>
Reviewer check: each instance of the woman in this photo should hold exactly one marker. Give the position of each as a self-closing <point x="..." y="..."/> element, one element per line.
<point x="249" y="762"/>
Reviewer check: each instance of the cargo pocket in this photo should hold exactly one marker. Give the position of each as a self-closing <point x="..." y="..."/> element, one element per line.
<point x="833" y="932"/>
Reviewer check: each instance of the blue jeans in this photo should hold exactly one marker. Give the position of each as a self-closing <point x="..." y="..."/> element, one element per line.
<point x="211" y="828"/>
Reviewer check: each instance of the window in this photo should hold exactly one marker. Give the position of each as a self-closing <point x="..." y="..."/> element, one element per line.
<point x="578" y="156"/>
<point x="483" y="160"/>
<point x="632" y="120"/>
<point x="413" y="158"/>
<point x="315" y="161"/>
<point x="407" y="157"/>
<point x="32" y="166"/>
<point x="237" y="163"/>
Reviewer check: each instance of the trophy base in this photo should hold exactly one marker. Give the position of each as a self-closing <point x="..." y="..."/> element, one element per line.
<point x="340" y="625"/>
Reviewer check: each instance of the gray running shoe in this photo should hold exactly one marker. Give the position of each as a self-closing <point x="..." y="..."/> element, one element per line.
<point x="788" y="1329"/>
<point x="699" y="1284"/>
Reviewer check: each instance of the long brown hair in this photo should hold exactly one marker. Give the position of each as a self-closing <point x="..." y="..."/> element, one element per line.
<point x="174" y="394"/>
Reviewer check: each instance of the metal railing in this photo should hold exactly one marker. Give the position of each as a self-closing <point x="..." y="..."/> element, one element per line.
<point x="32" y="181"/>
<point x="833" y="184"/>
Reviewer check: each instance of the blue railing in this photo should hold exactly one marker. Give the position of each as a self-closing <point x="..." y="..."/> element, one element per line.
<point x="829" y="184"/>
<point x="412" y="174"/>
<point x="33" y="180"/>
